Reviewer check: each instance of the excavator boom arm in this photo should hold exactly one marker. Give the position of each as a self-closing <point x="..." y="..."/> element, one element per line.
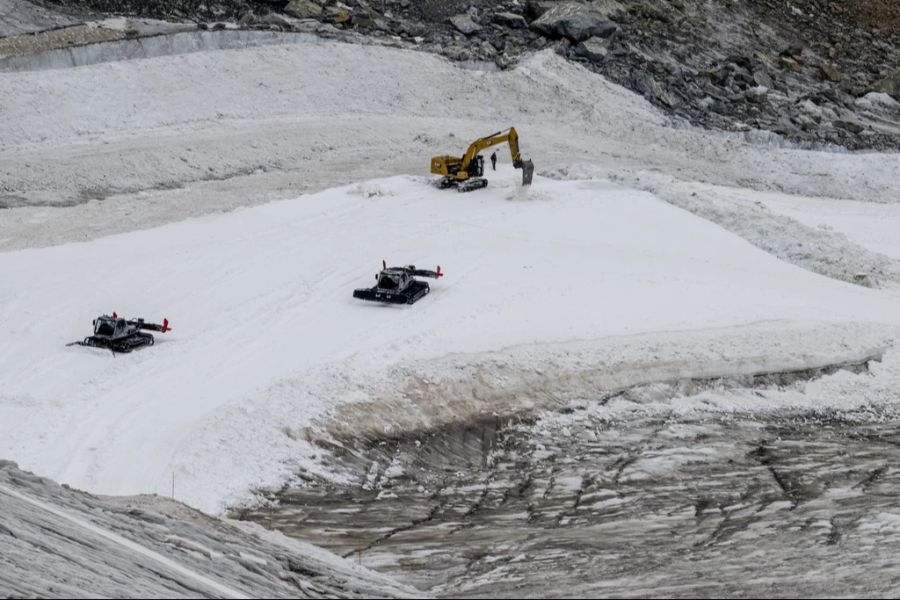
<point x="475" y="148"/>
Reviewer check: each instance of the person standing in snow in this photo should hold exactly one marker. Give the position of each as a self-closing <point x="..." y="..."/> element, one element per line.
<point x="494" y="160"/>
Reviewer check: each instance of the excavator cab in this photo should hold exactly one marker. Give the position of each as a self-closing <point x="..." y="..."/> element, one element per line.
<point x="476" y="168"/>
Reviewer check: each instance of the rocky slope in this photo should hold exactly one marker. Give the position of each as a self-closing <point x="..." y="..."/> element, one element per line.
<point x="56" y="542"/>
<point x="814" y="72"/>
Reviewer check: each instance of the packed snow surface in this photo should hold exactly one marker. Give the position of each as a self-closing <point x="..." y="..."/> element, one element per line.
<point x="872" y="225"/>
<point x="260" y="301"/>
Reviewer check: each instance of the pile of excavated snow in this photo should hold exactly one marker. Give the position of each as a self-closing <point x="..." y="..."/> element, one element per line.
<point x="56" y="542"/>
<point x="268" y="341"/>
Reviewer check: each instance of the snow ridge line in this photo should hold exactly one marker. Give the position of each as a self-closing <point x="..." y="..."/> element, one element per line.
<point x="225" y="591"/>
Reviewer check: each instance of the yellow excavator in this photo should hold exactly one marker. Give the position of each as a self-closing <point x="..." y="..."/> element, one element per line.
<point x="467" y="173"/>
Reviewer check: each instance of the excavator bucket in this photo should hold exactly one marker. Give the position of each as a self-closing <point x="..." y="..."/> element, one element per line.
<point x="527" y="172"/>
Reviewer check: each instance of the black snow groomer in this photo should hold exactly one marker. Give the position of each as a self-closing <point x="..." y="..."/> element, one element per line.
<point x="398" y="285"/>
<point x="121" y="335"/>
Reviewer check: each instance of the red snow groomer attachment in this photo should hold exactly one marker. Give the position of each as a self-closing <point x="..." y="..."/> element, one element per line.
<point x="398" y="285"/>
<point x="121" y="335"/>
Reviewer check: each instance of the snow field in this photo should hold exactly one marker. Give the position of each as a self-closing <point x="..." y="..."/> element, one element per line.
<point x="268" y="346"/>
<point x="266" y="331"/>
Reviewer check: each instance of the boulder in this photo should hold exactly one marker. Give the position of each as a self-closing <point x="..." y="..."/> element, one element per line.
<point x="275" y="19"/>
<point x="511" y="20"/>
<point x="536" y="8"/>
<point x="303" y="9"/>
<point x="464" y="24"/>
<point x="889" y="85"/>
<point x="789" y="63"/>
<point x="757" y="95"/>
<point x="812" y="109"/>
<point x="578" y="21"/>
<point x="246" y="20"/>
<point x="850" y="126"/>
<point x="655" y="90"/>
<point x="366" y="20"/>
<point x="829" y="73"/>
<point x="595" y="49"/>
<point x="761" y="77"/>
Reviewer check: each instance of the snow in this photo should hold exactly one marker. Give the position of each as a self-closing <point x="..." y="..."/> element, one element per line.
<point x="118" y="175"/>
<point x="182" y="38"/>
<point x="61" y="543"/>
<point x="117" y="540"/>
<point x="877" y="99"/>
<point x="871" y="225"/>
<point x="260" y="302"/>
<point x="20" y="16"/>
<point x="430" y="394"/>
<point x="144" y="142"/>
<point x="842" y="249"/>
